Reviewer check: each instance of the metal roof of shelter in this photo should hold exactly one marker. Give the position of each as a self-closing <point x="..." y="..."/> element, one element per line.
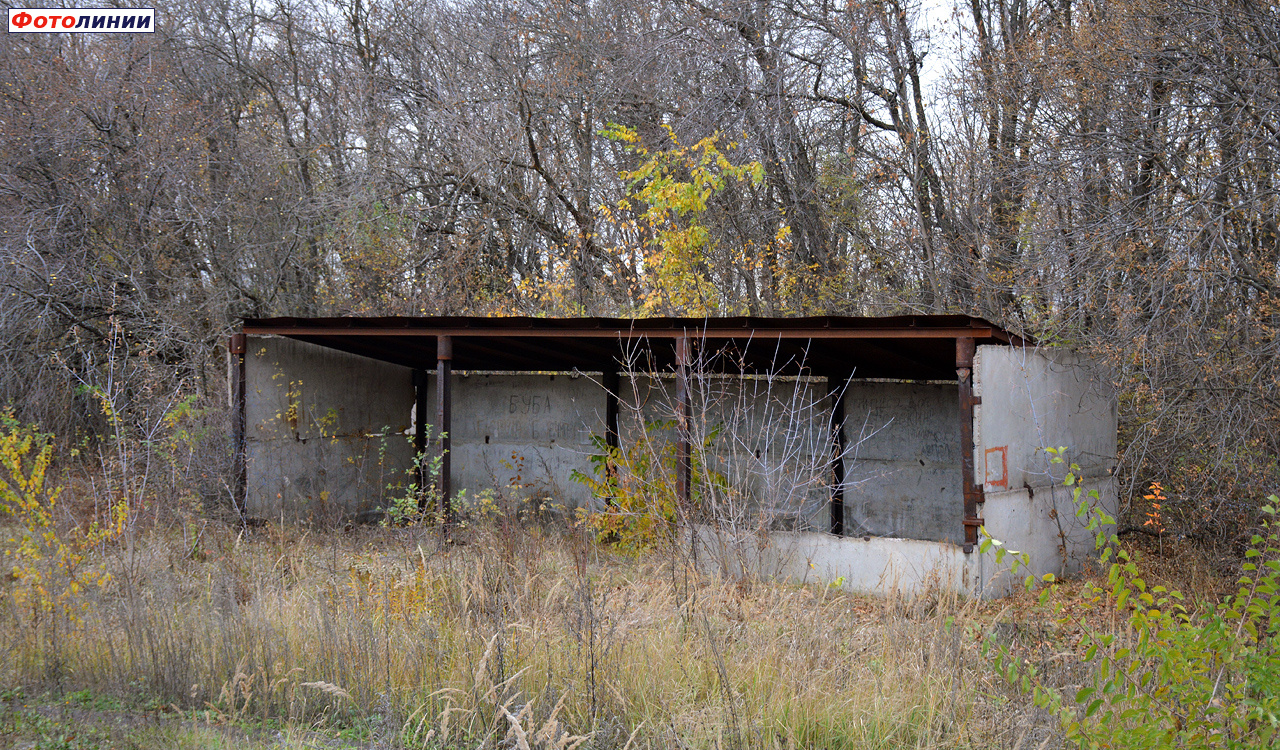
<point x="914" y="347"/>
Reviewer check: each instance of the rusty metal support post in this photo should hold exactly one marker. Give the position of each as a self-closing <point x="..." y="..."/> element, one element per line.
<point x="444" y="427"/>
<point x="972" y="490"/>
<point x="420" y="385"/>
<point x="237" y="346"/>
<point x="684" y="455"/>
<point x="836" y="387"/>
<point x="610" y="380"/>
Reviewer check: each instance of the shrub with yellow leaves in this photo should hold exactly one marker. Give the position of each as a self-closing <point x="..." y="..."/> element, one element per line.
<point x="47" y="553"/>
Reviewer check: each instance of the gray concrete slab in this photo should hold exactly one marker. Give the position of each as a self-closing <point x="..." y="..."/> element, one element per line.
<point x="1033" y="399"/>
<point x="902" y="474"/>
<point x="1043" y="525"/>
<point x="522" y="437"/>
<point x="326" y="431"/>
<point x="519" y="438"/>
<point x="874" y="565"/>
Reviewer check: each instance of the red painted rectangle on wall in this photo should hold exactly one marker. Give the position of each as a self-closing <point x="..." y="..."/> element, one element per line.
<point x="997" y="474"/>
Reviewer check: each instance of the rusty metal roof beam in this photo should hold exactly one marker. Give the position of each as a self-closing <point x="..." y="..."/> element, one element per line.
<point x="256" y="329"/>
<point x="904" y="347"/>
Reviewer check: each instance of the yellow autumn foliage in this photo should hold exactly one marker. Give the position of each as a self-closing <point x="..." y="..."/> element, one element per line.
<point x="670" y="192"/>
<point x="45" y="551"/>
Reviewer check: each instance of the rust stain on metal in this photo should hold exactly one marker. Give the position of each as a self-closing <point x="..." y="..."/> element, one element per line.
<point x="973" y="494"/>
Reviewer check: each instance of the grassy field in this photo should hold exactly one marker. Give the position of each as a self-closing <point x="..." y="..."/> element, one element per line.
<point x="519" y="637"/>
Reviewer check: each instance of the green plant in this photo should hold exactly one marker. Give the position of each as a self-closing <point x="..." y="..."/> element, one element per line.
<point x="88" y="699"/>
<point x="411" y="504"/>
<point x="1172" y="674"/>
<point x="637" y="486"/>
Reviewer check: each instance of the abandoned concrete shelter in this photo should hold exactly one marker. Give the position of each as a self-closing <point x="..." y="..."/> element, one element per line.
<point x="863" y="451"/>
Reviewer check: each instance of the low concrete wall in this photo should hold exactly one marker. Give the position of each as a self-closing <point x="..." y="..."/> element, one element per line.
<point x="1041" y="524"/>
<point x="325" y="431"/>
<point x="871" y="565"/>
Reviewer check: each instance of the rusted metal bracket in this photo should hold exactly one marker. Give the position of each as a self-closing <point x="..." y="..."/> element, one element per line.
<point x="237" y="346"/>
<point x="972" y="491"/>
<point x="444" y="428"/>
<point x="684" y="451"/>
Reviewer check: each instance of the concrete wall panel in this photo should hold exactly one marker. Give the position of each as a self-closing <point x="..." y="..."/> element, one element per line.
<point x="1032" y="400"/>
<point x="879" y="565"/>
<point x="766" y="437"/>
<point x="902" y="474"/>
<point x="325" y="431"/>
<point x="1043" y="524"/>
<point x="1037" y="399"/>
<point x="521" y="437"/>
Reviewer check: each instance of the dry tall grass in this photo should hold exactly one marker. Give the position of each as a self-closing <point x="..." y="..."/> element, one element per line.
<point x="519" y="638"/>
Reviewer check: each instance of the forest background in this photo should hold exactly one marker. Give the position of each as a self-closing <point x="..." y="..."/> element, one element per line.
<point x="1099" y="174"/>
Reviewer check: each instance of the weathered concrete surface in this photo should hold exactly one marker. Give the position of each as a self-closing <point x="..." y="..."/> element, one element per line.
<point x="519" y="438"/>
<point x="764" y="440"/>
<point x="1037" y="399"/>
<point x="522" y="437"/>
<point x="874" y="565"/>
<point x="1043" y="524"/>
<point x="324" y="431"/>
<point x="1059" y="545"/>
<point x="902" y="461"/>
<point x="1030" y="400"/>
<point x="1033" y="400"/>
<point x="328" y="432"/>
<point x="902" y="473"/>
